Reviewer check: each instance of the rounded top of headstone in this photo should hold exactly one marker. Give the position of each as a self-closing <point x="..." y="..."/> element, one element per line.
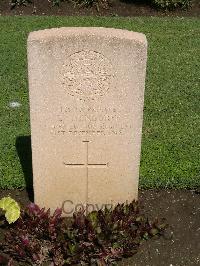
<point x="64" y="32"/>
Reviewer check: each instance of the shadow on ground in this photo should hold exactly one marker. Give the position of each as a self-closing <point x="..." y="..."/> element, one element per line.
<point x="23" y="146"/>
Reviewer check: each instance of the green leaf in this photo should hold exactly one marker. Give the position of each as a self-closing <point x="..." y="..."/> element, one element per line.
<point x="72" y="248"/>
<point x="93" y="217"/>
<point x="161" y="226"/>
<point x="146" y="236"/>
<point x="11" y="208"/>
<point x="139" y="219"/>
<point x="154" y="231"/>
<point x="98" y="230"/>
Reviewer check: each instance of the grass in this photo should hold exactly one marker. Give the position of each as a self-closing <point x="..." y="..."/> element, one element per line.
<point x="170" y="146"/>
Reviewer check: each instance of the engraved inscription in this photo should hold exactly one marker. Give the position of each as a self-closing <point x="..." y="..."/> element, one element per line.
<point x="87" y="75"/>
<point x="87" y="121"/>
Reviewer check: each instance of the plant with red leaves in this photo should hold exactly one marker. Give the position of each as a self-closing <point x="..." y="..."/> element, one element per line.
<point x="32" y="237"/>
<point x="101" y="237"/>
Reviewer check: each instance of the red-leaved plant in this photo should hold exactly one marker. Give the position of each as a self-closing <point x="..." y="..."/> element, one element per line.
<point x="5" y="261"/>
<point x="100" y="238"/>
<point x="32" y="237"/>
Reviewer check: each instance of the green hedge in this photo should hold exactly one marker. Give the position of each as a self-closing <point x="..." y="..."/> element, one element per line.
<point x="171" y="4"/>
<point x="163" y="4"/>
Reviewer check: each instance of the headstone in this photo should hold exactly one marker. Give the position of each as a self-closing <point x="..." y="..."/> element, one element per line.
<point x="86" y="102"/>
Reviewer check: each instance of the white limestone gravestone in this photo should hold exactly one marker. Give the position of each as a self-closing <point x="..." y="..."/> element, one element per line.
<point x="86" y="103"/>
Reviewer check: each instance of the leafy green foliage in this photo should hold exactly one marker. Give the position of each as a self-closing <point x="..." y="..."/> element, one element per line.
<point x="87" y="3"/>
<point x="57" y="2"/>
<point x="15" y="3"/>
<point x="101" y="237"/>
<point x="164" y="4"/>
<point x="171" y="4"/>
<point x="98" y="3"/>
<point x="11" y="208"/>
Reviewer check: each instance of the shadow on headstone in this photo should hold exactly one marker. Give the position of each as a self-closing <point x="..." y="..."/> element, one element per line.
<point x="23" y="146"/>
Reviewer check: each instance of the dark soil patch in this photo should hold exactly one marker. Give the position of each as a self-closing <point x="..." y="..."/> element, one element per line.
<point x="122" y="8"/>
<point x="180" y="245"/>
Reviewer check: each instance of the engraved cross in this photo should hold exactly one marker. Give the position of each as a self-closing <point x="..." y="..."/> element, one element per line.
<point x="86" y="164"/>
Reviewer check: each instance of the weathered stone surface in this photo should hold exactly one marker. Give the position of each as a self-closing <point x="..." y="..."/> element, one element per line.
<point x="86" y="102"/>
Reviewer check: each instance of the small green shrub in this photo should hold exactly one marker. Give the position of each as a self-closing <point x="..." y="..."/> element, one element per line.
<point x="88" y="3"/>
<point x="15" y="3"/>
<point x="57" y="2"/>
<point x="171" y="4"/>
<point x="163" y="4"/>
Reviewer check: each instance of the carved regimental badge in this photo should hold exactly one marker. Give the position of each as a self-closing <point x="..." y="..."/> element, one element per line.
<point x="87" y="75"/>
